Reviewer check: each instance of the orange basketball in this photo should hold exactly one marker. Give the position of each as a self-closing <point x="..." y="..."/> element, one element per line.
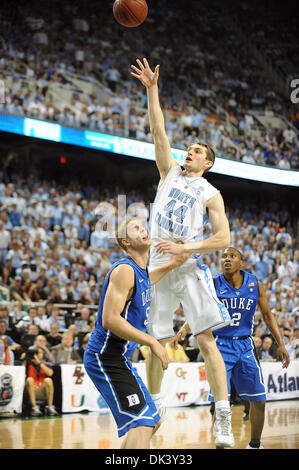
<point x="130" y="13"/>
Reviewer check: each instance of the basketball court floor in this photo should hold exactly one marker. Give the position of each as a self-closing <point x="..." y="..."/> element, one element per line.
<point x="185" y="428"/>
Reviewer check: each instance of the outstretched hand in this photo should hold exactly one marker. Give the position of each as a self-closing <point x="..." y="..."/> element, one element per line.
<point x="180" y="336"/>
<point x="144" y="73"/>
<point x="284" y="356"/>
<point x="170" y="247"/>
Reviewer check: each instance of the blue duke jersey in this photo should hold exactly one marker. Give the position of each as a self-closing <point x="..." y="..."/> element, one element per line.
<point x="240" y="303"/>
<point x="179" y="211"/>
<point x="135" y="312"/>
<point x="234" y="341"/>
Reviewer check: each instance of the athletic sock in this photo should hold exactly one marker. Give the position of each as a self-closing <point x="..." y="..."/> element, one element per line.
<point x="156" y="397"/>
<point x="222" y="405"/>
<point x="255" y="443"/>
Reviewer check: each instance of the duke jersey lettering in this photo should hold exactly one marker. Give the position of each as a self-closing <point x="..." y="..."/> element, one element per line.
<point x="179" y="211"/>
<point x="240" y="303"/>
<point x="135" y="312"/>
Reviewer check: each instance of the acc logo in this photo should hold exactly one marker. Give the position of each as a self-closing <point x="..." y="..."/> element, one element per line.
<point x="6" y="389"/>
<point x="181" y="373"/>
<point x="78" y="372"/>
<point x="202" y="373"/>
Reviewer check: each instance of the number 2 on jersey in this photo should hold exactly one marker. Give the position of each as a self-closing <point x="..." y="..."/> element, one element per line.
<point x="236" y="317"/>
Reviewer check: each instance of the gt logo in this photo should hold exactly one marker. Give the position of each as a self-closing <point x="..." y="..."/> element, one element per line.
<point x="181" y="373"/>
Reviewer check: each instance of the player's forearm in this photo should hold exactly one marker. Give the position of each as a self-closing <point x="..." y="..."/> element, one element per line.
<point x="155" y="114"/>
<point x="157" y="273"/>
<point x="219" y="241"/>
<point x="164" y="159"/>
<point x="273" y="328"/>
<point x="122" y="328"/>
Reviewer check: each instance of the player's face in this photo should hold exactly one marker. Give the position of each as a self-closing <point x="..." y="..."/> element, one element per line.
<point x="196" y="159"/>
<point x="231" y="261"/>
<point x="137" y="235"/>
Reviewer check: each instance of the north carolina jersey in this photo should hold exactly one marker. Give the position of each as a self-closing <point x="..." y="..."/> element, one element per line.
<point x="135" y="312"/>
<point x="240" y="303"/>
<point x="179" y="211"/>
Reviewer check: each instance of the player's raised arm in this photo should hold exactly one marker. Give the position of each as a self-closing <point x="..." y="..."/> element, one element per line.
<point x="119" y="291"/>
<point x="149" y="79"/>
<point x="272" y="326"/>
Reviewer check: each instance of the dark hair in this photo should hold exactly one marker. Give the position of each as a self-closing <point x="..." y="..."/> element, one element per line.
<point x="210" y="154"/>
<point x="30" y="353"/>
<point x="238" y="251"/>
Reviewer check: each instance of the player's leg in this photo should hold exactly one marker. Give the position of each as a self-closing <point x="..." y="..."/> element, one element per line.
<point x="230" y="358"/>
<point x="138" y="438"/>
<point x="160" y="325"/>
<point x="248" y="379"/>
<point x="203" y="312"/>
<point x="214" y="365"/>
<point x="154" y="371"/>
<point x="125" y="394"/>
<point x="216" y="376"/>
<point x="257" y="420"/>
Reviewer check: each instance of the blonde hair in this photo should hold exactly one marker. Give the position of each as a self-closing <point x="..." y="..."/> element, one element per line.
<point x="122" y="231"/>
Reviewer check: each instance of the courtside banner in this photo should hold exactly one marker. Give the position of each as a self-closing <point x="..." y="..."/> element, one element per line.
<point x="184" y="384"/>
<point x="12" y="382"/>
<point x="281" y="384"/>
<point x="78" y="391"/>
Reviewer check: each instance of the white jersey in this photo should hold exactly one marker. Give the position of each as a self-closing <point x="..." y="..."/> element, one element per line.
<point x="179" y="211"/>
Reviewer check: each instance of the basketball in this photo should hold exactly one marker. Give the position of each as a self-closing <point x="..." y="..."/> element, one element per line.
<point x="130" y="13"/>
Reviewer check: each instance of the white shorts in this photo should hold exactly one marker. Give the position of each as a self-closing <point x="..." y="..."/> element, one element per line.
<point x="193" y="287"/>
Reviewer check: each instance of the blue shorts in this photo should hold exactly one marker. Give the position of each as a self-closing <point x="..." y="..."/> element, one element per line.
<point x="242" y="367"/>
<point x="122" y="388"/>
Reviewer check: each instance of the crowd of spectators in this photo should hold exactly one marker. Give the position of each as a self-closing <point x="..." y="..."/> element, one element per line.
<point x="279" y="45"/>
<point x="212" y="67"/>
<point x="54" y="256"/>
<point x="54" y="253"/>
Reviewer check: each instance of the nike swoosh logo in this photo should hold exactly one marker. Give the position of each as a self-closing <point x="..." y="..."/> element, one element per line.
<point x="141" y="280"/>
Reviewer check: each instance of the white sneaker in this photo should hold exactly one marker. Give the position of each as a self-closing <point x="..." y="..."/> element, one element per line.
<point x="163" y="417"/>
<point x="36" y="411"/>
<point x="249" y="447"/>
<point x="163" y="413"/>
<point x="50" y="410"/>
<point x="223" y="429"/>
